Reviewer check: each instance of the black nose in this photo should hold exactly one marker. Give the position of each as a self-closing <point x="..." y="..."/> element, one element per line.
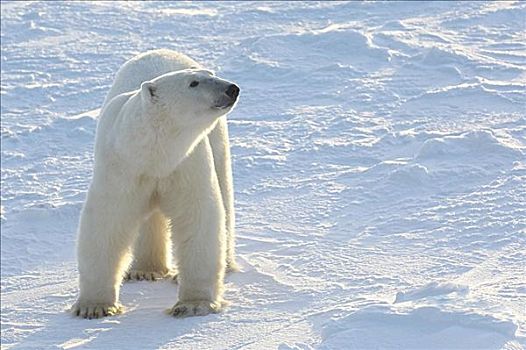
<point x="232" y="91"/>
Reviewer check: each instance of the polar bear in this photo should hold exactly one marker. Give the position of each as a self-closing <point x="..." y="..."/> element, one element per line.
<point x="161" y="160"/>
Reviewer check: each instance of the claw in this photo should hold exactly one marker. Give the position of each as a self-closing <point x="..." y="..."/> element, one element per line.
<point x="195" y="308"/>
<point x="95" y="311"/>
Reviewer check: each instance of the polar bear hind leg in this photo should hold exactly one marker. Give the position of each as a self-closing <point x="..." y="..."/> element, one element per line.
<point x="152" y="253"/>
<point x="220" y="144"/>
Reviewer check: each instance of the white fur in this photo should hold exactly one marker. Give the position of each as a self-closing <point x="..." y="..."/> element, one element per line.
<point x="160" y="159"/>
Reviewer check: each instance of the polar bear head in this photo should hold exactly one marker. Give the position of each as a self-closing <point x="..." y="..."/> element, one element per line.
<point x="190" y="97"/>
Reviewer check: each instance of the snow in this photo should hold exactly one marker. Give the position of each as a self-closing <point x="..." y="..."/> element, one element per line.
<point x="379" y="164"/>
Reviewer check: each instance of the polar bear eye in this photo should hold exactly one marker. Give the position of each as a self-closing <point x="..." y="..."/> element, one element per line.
<point x="194" y="83"/>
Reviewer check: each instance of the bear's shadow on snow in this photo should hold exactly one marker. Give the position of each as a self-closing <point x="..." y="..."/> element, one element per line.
<point x="144" y="324"/>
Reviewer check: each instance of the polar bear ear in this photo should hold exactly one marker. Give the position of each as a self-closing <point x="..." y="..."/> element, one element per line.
<point x="208" y="71"/>
<point x="203" y="70"/>
<point x="149" y="92"/>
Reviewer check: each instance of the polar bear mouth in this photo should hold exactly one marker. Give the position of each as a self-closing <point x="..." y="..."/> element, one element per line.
<point x="224" y="103"/>
<point x="223" y="106"/>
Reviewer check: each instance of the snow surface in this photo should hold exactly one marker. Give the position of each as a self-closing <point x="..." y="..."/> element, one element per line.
<point x="379" y="163"/>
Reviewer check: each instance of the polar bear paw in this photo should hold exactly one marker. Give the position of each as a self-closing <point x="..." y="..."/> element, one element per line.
<point x="195" y="308"/>
<point x="141" y="275"/>
<point x="96" y="310"/>
<point x="232" y="266"/>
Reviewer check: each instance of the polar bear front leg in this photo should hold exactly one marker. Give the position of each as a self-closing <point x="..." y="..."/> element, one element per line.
<point x="108" y="225"/>
<point x="200" y="254"/>
<point x="152" y="253"/>
<point x="198" y="222"/>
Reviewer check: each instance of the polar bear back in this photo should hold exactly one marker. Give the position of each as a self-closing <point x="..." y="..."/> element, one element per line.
<point x="148" y="66"/>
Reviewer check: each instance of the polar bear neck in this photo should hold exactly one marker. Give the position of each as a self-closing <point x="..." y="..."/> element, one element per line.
<point x="154" y="144"/>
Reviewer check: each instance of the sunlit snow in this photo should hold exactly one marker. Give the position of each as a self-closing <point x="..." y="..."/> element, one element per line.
<point x="379" y="153"/>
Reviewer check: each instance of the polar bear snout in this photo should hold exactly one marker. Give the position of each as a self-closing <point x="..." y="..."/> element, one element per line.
<point x="228" y="96"/>
<point x="232" y="91"/>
